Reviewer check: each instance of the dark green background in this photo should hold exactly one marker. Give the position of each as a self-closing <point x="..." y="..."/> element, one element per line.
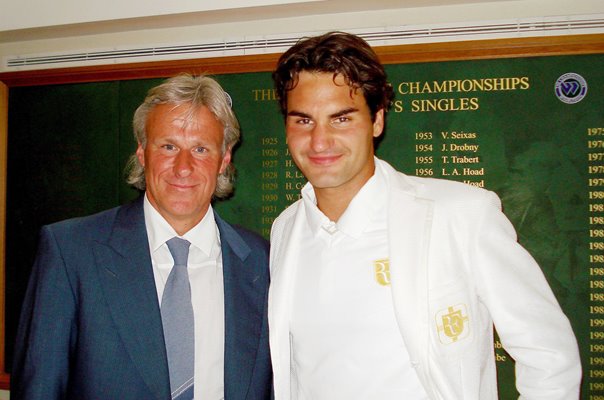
<point x="68" y="145"/>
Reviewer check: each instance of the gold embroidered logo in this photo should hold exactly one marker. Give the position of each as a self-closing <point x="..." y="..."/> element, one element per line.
<point x="451" y="323"/>
<point x="382" y="271"/>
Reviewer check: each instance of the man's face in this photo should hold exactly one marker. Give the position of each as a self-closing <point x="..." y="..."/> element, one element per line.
<point x="330" y="133"/>
<point x="182" y="159"/>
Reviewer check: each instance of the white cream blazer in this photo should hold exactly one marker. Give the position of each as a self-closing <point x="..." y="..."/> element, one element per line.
<point x="456" y="269"/>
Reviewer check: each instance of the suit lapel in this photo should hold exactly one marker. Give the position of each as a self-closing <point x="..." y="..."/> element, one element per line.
<point x="410" y="222"/>
<point x="126" y="275"/>
<point x="244" y="299"/>
<point x="284" y="255"/>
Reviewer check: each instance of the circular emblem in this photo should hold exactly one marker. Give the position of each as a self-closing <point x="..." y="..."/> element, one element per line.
<point x="571" y="88"/>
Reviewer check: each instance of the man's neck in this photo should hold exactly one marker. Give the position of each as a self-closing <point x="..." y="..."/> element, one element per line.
<point x="333" y="202"/>
<point x="332" y="208"/>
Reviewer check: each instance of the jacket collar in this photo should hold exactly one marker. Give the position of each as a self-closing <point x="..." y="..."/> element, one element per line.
<point x="126" y="276"/>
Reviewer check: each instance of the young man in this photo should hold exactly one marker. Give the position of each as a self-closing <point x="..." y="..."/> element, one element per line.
<point x="386" y="286"/>
<point x="159" y="299"/>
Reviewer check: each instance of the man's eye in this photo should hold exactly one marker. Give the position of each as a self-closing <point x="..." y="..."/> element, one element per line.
<point x="169" y="147"/>
<point x="341" y="120"/>
<point x="199" y="150"/>
<point x="304" y="121"/>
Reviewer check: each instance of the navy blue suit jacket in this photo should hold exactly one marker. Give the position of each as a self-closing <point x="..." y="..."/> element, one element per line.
<point x="91" y="327"/>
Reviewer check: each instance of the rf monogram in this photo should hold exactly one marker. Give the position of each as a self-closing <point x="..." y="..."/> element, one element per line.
<point x="382" y="271"/>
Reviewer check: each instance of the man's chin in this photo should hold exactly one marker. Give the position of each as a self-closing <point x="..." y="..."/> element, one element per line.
<point x="324" y="182"/>
<point x="187" y="209"/>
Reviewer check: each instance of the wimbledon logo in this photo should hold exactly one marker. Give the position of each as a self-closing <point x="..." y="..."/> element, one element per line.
<point x="571" y="88"/>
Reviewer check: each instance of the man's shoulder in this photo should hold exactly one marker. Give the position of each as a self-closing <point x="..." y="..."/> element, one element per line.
<point x="288" y="213"/>
<point x="283" y="222"/>
<point x="99" y="222"/>
<point x="249" y="235"/>
<point x="444" y="190"/>
<point x="441" y="187"/>
<point x="445" y="194"/>
<point x="254" y="240"/>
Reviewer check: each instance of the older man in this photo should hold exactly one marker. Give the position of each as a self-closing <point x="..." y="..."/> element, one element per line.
<point x="161" y="298"/>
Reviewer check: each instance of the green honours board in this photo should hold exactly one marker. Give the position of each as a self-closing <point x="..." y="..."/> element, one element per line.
<point x="530" y="129"/>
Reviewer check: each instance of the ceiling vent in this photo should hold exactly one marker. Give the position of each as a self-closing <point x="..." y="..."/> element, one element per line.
<point x="383" y="36"/>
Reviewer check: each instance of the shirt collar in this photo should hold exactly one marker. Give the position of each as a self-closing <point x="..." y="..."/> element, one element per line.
<point x="204" y="235"/>
<point x="315" y="217"/>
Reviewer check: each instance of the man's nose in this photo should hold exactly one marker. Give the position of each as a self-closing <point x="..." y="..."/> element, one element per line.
<point x="320" y="138"/>
<point x="183" y="165"/>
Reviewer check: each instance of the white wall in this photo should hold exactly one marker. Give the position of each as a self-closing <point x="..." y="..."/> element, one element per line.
<point x="178" y="22"/>
<point x="38" y="13"/>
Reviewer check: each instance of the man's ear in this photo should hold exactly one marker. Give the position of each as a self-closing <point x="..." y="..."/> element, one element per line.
<point x="378" y="123"/>
<point x="140" y="154"/>
<point x="226" y="160"/>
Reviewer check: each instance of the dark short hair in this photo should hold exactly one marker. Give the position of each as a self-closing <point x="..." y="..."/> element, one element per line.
<point x="339" y="53"/>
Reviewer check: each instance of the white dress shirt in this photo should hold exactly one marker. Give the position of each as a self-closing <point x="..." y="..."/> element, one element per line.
<point x="345" y="340"/>
<point x="207" y="293"/>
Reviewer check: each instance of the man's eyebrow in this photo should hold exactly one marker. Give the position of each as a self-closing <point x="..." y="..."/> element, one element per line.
<point x="337" y="114"/>
<point x="298" y="114"/>
<point x="345" y="111"/>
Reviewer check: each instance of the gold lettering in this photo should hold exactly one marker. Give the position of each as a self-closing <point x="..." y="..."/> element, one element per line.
<point x="465" y="85"/>
<point x="398" y="106"/>
<point x="382" y="271"/>
<point x="429" y="105"/>
<point x="264" y="94"/>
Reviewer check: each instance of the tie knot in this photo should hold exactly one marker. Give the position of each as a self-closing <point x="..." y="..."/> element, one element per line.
<point x="179" y="249"/>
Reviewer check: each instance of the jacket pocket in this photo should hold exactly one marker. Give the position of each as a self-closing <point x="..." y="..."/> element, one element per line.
<point x="452" y="318"/>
